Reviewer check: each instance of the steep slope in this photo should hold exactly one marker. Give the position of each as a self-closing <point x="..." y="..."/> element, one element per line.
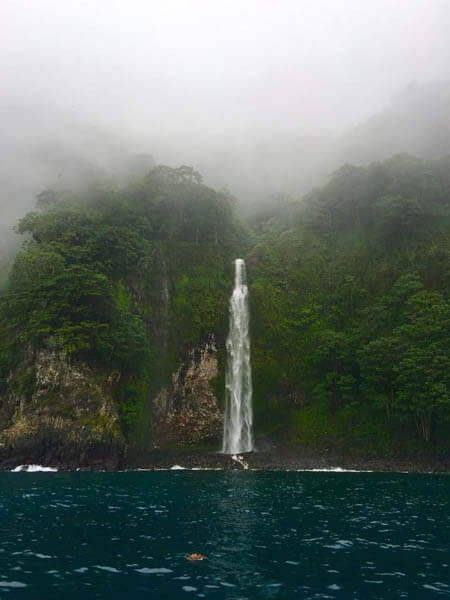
<point x="107" y="301"/>
<point x="114" y="321"/>
<point x="417" y="122"/>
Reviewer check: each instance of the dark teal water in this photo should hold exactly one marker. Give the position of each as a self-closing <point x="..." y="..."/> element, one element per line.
<point x="266" y="535"/>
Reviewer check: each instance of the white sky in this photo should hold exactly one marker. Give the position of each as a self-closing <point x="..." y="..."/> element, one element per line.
<point x="223" y="85"/>
<point x="184" y="67"/>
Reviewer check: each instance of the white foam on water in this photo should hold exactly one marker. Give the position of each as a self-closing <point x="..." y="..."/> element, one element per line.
<point x="179" y="468"/>
<point x="236" y="458"/>
<point x="240" y="460"/>
<point x="12" y="584"/>
<point x="109" y="569"/>
<point x="148" y="571"/>
<point x="334" y="470"/>
<point x="205" y="469"/>
<point x="33" y="469"/>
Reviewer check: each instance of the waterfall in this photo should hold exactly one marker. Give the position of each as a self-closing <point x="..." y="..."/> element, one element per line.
<point x="238" y="418"/>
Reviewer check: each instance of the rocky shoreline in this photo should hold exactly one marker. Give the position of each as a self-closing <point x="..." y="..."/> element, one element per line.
<point x="280" y="459"/>
<point x="287" y="459"/>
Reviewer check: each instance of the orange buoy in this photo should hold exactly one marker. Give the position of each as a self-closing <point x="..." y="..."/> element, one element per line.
<point x="196" y="556"/>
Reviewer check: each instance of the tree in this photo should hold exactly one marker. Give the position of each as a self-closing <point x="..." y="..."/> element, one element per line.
<point x="377" y="361"/>
<point x="423" y="368"/>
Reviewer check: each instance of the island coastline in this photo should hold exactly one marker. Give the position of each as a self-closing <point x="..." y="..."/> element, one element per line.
<point x="279" y="459"/>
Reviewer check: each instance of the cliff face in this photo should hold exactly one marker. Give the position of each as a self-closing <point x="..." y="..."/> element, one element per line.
<point x="128" y="282"/>
<point x="186" y="412"/>
<point x="57" y="413"/>
<point x="63" y="414"/>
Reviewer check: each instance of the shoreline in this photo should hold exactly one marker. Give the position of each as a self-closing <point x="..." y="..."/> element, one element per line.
<point x="287" y="460"/>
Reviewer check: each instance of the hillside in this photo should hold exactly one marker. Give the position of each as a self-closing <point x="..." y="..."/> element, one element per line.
<point x="114" y="320"/>
<point x="415" y="121"/>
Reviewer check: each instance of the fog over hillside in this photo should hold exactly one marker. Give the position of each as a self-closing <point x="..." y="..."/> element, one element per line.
<point x="262" y="99"/>
<point x="417" y="121"/>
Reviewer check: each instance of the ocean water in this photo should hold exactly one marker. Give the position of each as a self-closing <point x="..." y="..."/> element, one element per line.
<point x="265" y="535"/>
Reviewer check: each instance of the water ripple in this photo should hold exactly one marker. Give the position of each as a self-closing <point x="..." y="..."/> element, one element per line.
<point x="265" y="535"/>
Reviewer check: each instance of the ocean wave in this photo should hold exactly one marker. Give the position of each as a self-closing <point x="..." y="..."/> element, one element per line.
<point x="33" y="469"/>
<point x="334" y="470"/>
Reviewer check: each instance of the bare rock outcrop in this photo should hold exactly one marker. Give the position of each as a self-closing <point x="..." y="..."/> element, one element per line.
<point x="55" y="412"/>
<point x="186" y="412"/>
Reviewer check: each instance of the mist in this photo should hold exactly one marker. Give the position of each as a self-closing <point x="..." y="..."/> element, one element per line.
<point x="263" y="98"/>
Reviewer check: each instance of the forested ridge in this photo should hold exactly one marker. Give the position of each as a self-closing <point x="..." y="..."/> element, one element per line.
<point x="351" y="309"/>
<point x="123" y="280"/>
<point x="350" y="313"/>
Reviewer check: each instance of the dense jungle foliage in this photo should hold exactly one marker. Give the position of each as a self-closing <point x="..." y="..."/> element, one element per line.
<point x="349" y="286"/>
<point x="123" y="280"/>
<point x="351" y="312"/>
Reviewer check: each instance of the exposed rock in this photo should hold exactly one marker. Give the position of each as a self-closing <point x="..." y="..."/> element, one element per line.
<point x="187" y="411"/>
<point x="293" y="458"/>
<point x="61" y="413"/>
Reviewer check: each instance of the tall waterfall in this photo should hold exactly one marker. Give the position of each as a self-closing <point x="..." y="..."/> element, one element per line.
<point x="238" y="418"/>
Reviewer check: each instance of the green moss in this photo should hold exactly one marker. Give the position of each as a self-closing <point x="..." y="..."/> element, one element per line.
<point x="23" y="382"/>
<point x="353" y="428"/>
<point x="132" y="402"/>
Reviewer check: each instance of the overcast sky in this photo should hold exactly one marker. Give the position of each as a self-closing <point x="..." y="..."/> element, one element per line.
<point x="182" y="72"/>
<point x="220" y="66"/>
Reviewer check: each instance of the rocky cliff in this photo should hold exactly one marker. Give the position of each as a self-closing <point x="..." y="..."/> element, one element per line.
<point x="54" y="412"/>
<point x="186" y="412"/>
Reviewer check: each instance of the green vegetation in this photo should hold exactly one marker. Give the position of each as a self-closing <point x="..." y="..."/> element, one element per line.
<point x="349" y="298"/>
<point x="123" y="280"/>
<point x="350" y="309"/>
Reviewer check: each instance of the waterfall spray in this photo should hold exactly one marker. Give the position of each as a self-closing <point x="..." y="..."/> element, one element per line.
<point x="238" y="418"/>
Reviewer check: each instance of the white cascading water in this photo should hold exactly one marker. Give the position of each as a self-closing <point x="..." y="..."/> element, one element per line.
<point x="238" y="418"/>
